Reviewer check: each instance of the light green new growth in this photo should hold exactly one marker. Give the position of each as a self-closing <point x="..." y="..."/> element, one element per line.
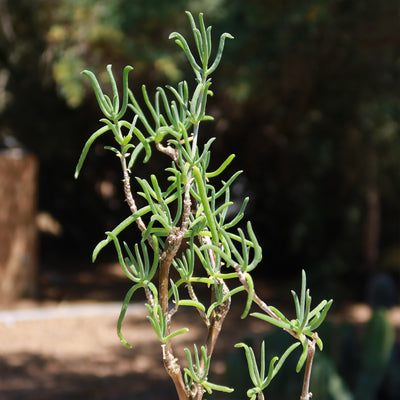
<point x="189" y="210"/>
<point x="257" y="375"/>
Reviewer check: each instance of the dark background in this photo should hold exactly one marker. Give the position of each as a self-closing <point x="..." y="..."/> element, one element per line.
<point x="306" y="96"/>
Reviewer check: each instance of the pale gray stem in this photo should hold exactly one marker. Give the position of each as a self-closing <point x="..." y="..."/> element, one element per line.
<point x="305" y="393"/>
<point x="211" y="255"/>
<point x="168" y="150"/>
<point x="187" y="206"/>
<point x="129" y="197"/>
<point x="259" y="302"/>
<point x="174" y="371"/>
<point x="195" y="136"/>
<point x="149" y="297"/>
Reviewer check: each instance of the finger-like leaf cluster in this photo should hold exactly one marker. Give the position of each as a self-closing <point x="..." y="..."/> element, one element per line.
<point x="198" y="369"/>
<point x="159" y="323"/>
<point x="260" y="377"/>
<point x="202" y="38"/>
<point x="306" y="321"/>
<point x="162" y="220"/>
<point x="113" y="121"/>
<point x="139" y="269"/>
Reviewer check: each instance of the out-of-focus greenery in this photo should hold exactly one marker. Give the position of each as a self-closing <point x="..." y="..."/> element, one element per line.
<point x="311" y="110"/>
<point x="357" y="363"/>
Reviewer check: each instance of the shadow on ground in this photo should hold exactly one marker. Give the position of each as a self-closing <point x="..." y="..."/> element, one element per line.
<point x="33" y="376"/>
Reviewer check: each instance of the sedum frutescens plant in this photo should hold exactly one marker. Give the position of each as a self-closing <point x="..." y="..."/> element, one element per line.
<point x="185" y="222"/>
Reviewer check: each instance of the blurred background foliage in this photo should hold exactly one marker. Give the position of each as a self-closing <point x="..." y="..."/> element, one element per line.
<point x="307" y="96"/>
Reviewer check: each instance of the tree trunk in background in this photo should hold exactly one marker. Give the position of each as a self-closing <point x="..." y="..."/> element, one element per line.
<point x="18" y="234"/>
<point x="373" y="213"/>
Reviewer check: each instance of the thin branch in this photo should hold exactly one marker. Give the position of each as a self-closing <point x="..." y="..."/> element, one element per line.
<point x="130" y="200"/>
<point x="187" y="206"/>
<point x="219" y="313"/>
<point x="172" y="245"/>
<point x="199" y="392"/>
<point x="168" y="150"/>
<point x="258" y="301"/>
<point x="211" y="255"/>
<point x="174" y="371"/>
<point x="305" y="393"/>
<point x="217" y="319"/>
<point x="149" y="297"/>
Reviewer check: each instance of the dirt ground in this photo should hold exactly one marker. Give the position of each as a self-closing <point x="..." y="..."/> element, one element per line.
<point x="79" y="356"/>
<point x="55" y="355"/>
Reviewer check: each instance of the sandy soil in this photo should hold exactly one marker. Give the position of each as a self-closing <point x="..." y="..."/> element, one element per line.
<point x="79" y="356"/>
<point x="63" y="354"/>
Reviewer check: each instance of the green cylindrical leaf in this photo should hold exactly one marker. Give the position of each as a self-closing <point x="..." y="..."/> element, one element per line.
<point x="124" y="106"/>
<point x="219" y="53"/>
<point x="250" y="295"/>
<point x="304" y="353"/>
<point x="121" y="317"/>
<point x="87" y="146"/>
<point x="267" y="318"/>
<point x="105" y="108"/>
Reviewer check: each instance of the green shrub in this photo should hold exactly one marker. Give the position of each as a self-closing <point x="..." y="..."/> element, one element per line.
<point x="188" y="220"/>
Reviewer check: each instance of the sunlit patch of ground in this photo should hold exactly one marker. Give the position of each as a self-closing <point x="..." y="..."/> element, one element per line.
<point x="81" y="357"/>
<point x="362" y="313"/>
